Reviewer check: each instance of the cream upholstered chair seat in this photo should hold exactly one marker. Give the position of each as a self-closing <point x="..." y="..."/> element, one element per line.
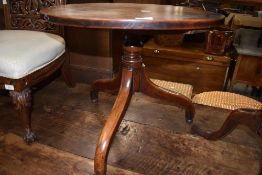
<point x="22" y="52"/>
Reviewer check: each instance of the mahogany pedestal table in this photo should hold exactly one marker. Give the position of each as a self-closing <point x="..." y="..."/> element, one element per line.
<point x="132" y="78"/>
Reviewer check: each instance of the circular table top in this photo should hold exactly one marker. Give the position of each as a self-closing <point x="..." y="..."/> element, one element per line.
<point x="130" y="16"/>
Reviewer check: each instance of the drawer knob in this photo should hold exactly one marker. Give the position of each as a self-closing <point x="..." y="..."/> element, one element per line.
<point x="156" y="51"/>
<point x="209" y="58"/>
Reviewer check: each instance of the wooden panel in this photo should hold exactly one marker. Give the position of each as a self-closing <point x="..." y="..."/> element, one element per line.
<point x="88" y="75"/>
<point x="87" y="69"/>
<point x="90" y="50"/>
<point x="90" y="61"/>
<point x="186" y="65"/>
<point x="117" y="48"/>
<point x="90" y="53"/>
<point x="248" y="70"/>
<point x="2" y="24"/>
<point x="89" y="42"/>
<point x="139" y="1"/>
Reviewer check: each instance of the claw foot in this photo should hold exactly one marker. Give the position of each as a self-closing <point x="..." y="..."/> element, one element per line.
<point x="29" y="137"/>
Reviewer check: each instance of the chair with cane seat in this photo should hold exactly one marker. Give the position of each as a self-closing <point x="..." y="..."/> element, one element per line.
<point x="244" y="111"/>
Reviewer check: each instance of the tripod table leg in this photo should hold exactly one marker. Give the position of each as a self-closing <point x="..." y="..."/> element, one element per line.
<point x="152" y="90"/>
<point x="109" y="84"/>
<point x="113" y="122"/>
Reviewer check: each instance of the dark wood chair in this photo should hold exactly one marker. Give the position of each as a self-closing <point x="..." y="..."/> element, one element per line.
<point x="30" y="51"/>
<point x="245" y="111"/>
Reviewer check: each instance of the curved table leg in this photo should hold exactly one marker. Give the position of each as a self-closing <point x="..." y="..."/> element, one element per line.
<point x="111" y="84"/>
<point x="150" y="89"/>
<point x="133" y="80"/>
<point x="113" y="122"/>
<point x="250" y="118"/>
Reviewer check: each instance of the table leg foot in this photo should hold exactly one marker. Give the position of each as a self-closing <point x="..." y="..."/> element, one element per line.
<point x="113" y="122"/>
<point x="94" y="96"/>
<point x="150" y="89"/>
<point x="249" y="117"/>
<point x="112" y="84"/>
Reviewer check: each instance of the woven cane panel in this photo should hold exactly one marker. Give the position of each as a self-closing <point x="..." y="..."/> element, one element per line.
<point x="185" y="89"/>
<point x="226" y="100"/>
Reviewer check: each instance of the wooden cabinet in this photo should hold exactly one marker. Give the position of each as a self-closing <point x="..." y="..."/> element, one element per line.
<point x="187" y="64"/>
<point x="248" y="70"/>
<point x="89" y="50"/>
<point x="90" y="53"/>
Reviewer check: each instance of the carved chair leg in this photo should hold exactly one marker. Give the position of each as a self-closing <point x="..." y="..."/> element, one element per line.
<point x="111" y="84"/>
<point x="66" y="72"/>
<point x="113" y="122"/>
<point x="150" y="89"/>
<point x="23" y="102"/>
<point x="248" y="117"/>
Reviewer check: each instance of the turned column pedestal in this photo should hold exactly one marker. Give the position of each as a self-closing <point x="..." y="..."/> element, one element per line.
<point x="132" y="78"/>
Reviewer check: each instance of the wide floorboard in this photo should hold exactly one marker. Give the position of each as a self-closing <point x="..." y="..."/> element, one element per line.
<point x="152" y="139"/>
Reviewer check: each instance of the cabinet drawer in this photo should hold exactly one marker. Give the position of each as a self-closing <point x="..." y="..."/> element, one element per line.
<point x="203" y="77"/>
<point x="187" y="64"/>
<point x="186" y="53"/>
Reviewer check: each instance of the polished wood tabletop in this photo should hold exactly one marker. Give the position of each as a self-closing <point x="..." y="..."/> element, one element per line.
<point x="132" y="78"/>
<point x="132" y="16"/>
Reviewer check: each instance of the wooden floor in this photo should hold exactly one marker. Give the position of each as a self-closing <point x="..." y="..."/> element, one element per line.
<point x="152" y="139"/>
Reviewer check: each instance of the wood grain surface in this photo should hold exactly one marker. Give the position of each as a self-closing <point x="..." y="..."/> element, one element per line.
<point x="152" y="139"/>
<point x="131" y="16"/>
<point x="43" y="160"/>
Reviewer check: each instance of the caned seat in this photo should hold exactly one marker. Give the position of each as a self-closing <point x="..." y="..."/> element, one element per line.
<point x="29" y="53"/>
<point x="184" y="89"/>
<point x="226" y="100"/>
<point x="244" y="111"/>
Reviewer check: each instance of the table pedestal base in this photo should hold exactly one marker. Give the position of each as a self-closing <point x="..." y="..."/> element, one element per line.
<point x="131" y="79"/>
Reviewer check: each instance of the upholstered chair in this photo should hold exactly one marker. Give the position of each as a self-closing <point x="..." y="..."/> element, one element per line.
<point x="29" y="53"/>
